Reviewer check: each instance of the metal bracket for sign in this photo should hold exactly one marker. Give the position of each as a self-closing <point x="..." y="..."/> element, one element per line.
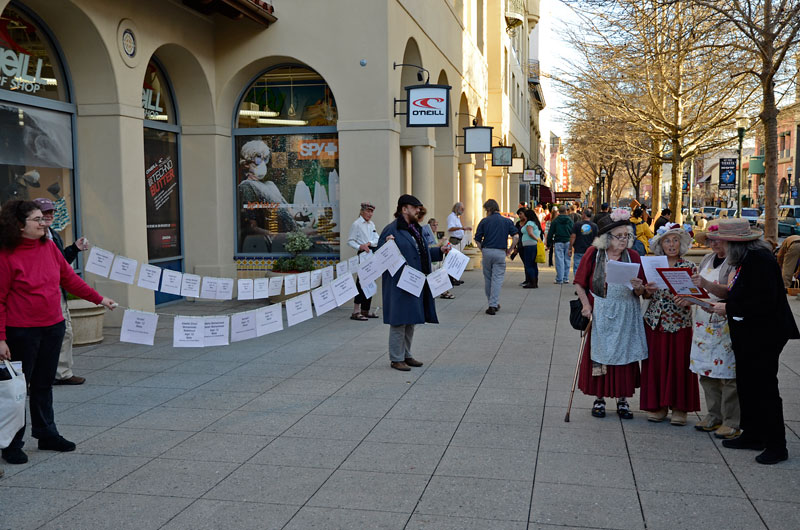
<point x="396" y="101"/>
<point x="463" y="137"/>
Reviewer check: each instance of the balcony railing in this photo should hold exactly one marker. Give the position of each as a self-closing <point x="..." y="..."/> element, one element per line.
<point x="260" y="11"/>
<point x="533" y="71"/>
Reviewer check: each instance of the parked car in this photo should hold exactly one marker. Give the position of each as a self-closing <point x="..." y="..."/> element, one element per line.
<point x="751" y="214"/>
<point x="708" y="211"/>
<point x="788" y="220"/>
<point x="731" y="212"/>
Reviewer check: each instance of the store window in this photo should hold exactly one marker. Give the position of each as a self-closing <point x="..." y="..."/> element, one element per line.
<point x="287" y="163"/>
<point x="36" y="119"/>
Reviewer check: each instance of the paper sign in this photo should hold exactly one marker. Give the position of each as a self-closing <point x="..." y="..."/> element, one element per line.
<point x="269" y="319"/>
<point x="99" y="262"/>
<point x="298" y="309"/>
<point x="261" y="288"/>
<point x="364" y="256"/>
<point x="290" y="284"/>
<point x="411" y="280"/>
<point x="244" y="289"/>
<point x="188" y="332"/>
<point x="327" y="275"/>
<point x="209" y="287"/>
<point x="439" y="282"/>
<point x="369" y="289"/>
<point x="369" y="271"/>
<point x="190" y="285"/>
<point x="123" y="269"/>
<point x="650" y="264"/>
<point x="352" y="265"/>
<point x="149" y="276"/>
<point x="215" y="330"/>
<point x="342" y="268"/>
<point x="324" y="299"/>
<point x="679" y="281"/>
<point x="224" y="288"/>
<point x="391" y="257"/>
<point x="455" y="263"/>
<point x="171" y="281"/>
<point x="344" y="289"/>
<point x="702" y="303"/>
<point x="303" y="282"/>
<point x="316" y="278"/>
<point x="620" y="273"/>
<point x="243" y="326"/>
<point x="138" y="327"/>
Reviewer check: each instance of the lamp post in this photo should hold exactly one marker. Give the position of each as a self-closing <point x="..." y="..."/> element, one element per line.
<point x="789" y="184"/>
<point x="741" y="127"/>
<point x="597" y="192"/>
<point x="602" y="185"/>
<point x="588" y="195"/>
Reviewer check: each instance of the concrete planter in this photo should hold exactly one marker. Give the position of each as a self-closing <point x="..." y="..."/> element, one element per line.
<point x="474" y="257"/>
<point x="87" y="322"/>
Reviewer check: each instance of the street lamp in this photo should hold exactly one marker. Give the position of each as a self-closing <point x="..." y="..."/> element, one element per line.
<point x="602" y="181"/>
<point x="597" y="191"/>
<point x="789" y="184"/>
<point x="741" y="127"/>
<point x="588" y="195"/>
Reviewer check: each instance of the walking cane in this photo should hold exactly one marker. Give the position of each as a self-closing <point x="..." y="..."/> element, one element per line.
<point x="584" y="333"/>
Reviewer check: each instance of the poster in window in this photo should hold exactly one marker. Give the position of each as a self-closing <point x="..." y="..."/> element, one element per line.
<point x="162" y="194"/>
<point x="288" y="183"/>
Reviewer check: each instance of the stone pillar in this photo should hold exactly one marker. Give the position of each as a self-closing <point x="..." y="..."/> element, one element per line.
<point x="422" y="185"/>
<point x="445" y="183"/>
<point x="467" y="180"/>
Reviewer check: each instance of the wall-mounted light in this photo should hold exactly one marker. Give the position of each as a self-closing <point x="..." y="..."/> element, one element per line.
<point x="278" y="121"/>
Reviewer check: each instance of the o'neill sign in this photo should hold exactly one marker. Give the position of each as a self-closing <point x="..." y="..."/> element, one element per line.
<point x="428" y="106"/>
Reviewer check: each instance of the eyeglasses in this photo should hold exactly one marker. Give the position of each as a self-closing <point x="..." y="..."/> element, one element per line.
<point x="622" y="237"/>
<point x="39" y="220"/>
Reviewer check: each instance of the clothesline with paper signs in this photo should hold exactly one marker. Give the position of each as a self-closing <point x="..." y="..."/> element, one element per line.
<point x="317" y="289"/>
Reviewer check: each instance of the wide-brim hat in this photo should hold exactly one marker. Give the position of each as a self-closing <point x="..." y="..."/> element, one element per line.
<point x="618" y="217"/>
<point x="735" y="229"/>
<point x="701" y="236"/>
<point x="670" y="229"/>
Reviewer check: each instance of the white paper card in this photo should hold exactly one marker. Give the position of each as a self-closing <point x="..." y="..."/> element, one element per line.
<point x="344" y="289"/>
<point x="224" y="288"/>
<point x="269" y="319"/>
<point x="369" y="289"/>
<point x="369" y="271"/>
<point x="171" y="281"/>
<point x="190" y="285"/>
<point x="138" y="327"/>
<point x="99" y="262"/>
<point x="261" y="288"/>
<point x="123" y="269"/>
<point x="455" y="263"/>
<point x="439" y="282"/>
<point x="352" y="264"/>
<point x="316" y="278"/>
<point x="215" y="330"/>
<point x="290" y="284"/>
<point x="244" y="289"/>
<point x="149" y="276"/>
<point x="209" y="287"/>
<point x="650" y="264"/>
<point x="391" y="257"/>
<point x="275" y="285"/>
<point x="327" y="275"/>
<point x="364" y="256"/>
<point x="342" y="268"/>
<point x="303" y="282"/>
<point x="188" y="332"/>
<point x="298" y="309"/>
<point x="411" y="280"/>
<point x="324" y="299"/>
<point x="243" y="326"/>
<point x="620" y="273"/>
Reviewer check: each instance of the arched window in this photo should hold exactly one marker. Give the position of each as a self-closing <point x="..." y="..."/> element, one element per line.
<point x="287" y="163"/>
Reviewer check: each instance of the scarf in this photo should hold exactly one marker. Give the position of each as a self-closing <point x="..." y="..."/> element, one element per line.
<point x="599" y="276"/>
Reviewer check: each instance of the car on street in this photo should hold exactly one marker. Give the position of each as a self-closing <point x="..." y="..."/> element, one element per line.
<point x="731" y="212"/>
<point x="751" y="214"/>
<point x="708" y="211"/>
<point x="788" y="220"/>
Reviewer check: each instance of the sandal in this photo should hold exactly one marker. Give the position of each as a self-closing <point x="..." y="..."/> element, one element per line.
<point x="599" y="408"/>
<point x="358" y="316"/>
<point x="624" y="410"/>
<point x="447" y="296"/>
<point x="370" y="314"/>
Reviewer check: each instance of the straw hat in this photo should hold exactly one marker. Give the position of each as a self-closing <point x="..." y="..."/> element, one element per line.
<point x="702" y="235"/>
<point x="666" y="230"/>
<point x="735" y="229"/>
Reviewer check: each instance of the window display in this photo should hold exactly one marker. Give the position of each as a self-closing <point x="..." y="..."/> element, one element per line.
<point x="162" y="195"/>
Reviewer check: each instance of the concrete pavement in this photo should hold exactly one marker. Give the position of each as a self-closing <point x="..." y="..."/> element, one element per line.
<point x="310" y="428"/>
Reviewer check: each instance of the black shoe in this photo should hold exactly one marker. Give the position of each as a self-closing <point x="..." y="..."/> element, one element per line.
<point x="599" y="408"/>
<point x="624" y="410"/>
<point x="15" y="456"/>
<point x="491" y="311"/>
<point x="772" y="456"/>
<point x="743" y="442"/>
<point x="528" y="286"/>
<point x="56" y="443"/>
<point x="412" y="362"/>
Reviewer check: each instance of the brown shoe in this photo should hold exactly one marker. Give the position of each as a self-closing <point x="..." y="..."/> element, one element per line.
<point x="678" y="418"/>
<point x="413" y="362"/>
<point x="74" y="380"/>
<point x="657" y="415"/>
<point x="403" y="367"/>
<point x="727" y="433"/>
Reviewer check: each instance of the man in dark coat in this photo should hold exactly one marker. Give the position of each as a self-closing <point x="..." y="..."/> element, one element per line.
<point x="401" y="309"/>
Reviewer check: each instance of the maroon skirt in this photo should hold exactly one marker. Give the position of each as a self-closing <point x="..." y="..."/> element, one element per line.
<point x="618" y="382"/>
<point x="666" y="378"/>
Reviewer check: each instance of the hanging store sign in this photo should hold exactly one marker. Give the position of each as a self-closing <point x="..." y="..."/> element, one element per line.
<point x="727" y="173"/>
<point x="530" y="175"/>
<point x="477" y="140"/>
<point x="428" y="106"/>
<point x="517" y="165"/>
<point x="501" y="156"/>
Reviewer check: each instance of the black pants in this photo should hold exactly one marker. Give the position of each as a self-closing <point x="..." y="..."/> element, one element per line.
<point x="360" y="299"/>
<point x="38" y="349"/>
<point x="759" y="397"/>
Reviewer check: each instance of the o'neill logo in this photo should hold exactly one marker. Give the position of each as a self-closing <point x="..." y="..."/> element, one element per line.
<point x="427" y="108"/>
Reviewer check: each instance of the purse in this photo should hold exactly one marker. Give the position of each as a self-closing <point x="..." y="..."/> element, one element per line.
<point x="541" y="253"/>
<point x="576" y="318"/>
<point x="12" y="403"/>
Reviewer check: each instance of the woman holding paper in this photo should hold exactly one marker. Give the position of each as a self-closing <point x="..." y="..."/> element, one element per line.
<point x="403" y="309"/>
<point x="610" y="360"/>
<point x="31" y="323"/>
<point x="667" y="381"/>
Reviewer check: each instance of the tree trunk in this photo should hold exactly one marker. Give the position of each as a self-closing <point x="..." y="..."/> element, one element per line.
<point x="655" y="175"/>
<point x="769" y="117"/>
<point x="676" y="191"/>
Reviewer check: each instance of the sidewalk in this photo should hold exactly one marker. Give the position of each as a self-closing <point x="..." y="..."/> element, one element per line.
<point x="310" y="428"/>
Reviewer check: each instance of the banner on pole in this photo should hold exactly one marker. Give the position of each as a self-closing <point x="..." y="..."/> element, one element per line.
<point x="727" y="173"/>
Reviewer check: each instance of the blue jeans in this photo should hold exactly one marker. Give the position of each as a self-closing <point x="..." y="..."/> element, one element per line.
<point x="576" y="260"/>
<point x="562" y="262"/>
<point x="529" y="260"/>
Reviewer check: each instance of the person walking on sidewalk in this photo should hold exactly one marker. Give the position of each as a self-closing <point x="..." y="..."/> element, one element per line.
<point x="455" y="232"/>
<point x="558" y="237"/>
<point x="363" y="238"/>
<point x="491" y="236"/>
<point x="583" y="235"/>
<point x="402" y="310"/>
<point x="531" y="235"/>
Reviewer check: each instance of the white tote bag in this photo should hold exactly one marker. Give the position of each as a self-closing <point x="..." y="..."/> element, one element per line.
<point x="12" y="405"/>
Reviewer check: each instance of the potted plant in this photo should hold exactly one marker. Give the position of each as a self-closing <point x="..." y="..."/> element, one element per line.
<point x="87" y="321"/>
<point x="471" y="251"/>
<point x="296" y="243"/>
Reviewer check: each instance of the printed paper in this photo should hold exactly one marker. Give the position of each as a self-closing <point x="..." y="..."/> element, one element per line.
<point x="324" y="299"/>
<point x="123" y="269"/>
<point x="344" y="289"/>
<point x="243" y="326"/>
<point x="99" y="262"/>
<point x="269" y="319"/>
<point x="411" y="280"/>
<point x="316" y="278"/>
<point x="138" y="327"/>
<point x="391" y="257"/>
<point x="327" y="275"/>
<point x="190" y="285"/>
<point x="303" y="282"/>
<point x="149" y="276"/>
<point x="224" y="288"/>
<point x="455" y="263"/>
<point x="369" y="271"/>
<point x="171" y="281"/>
<point x="215" y="330"/>
<point x="352" y="265"/>
<point x="342" y="268"/>
<point x="621" y="273"/>
<point x="209" y="287"/>
<point x="298" y="309"/>
<point x="290" y="284"/>
<point x="369" y="289"/>
<point x="439" y="282"/>
<point x="261" y="288"/>
<point x="650" y="264"/>
<point x="244" y="289"/>
<point x="188" y="332"/>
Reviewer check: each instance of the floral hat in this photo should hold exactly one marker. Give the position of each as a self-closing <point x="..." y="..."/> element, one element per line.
<point x="670" y="228"/>
<point x="619" y="217"/>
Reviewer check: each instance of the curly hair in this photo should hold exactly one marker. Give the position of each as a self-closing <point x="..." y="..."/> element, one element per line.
<point x="13" y="216"/>
<point x="603" y="241"/>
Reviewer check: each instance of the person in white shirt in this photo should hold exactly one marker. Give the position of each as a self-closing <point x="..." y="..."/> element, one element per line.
<point x="363" y="238"/>
<point x="455" y="230"/>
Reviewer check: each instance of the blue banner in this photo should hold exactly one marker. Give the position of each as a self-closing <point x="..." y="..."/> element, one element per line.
<point x="727" y="173"/>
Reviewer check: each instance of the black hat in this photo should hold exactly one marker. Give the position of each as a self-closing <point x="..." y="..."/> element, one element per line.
<point x="617" y="218"/>
<point x="408" y="199"/>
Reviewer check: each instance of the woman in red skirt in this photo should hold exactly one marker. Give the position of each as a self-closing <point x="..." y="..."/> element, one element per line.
<point x="667" y="382"/>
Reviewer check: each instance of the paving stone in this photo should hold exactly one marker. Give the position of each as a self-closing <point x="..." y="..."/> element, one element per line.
<point x="503" y="413"/>
<point x="421" y="521"/>
<point x="362" y="490"/>
<point x="173" y="380"/>
<point x="100" y="414"/>
<point x="281" y="403"/>
<point x="347" y="406"/>
<point x="413" y="431"/>
<point x="29" y="508"/>
<point x="140" y="396"/>
<point x="333" y="427"/>
<point x="476" y="497"/>
<point x="669" y="511"/>
<point x="342" y="519"/>
<point x="124" y="441"/>
<point x="175" y="418"/>
<point x="389" y="457"/>
<point x="441" y="393"/>
<point x="80" y="393"/>
<point x="252" y="422"/>
<point x="779" y="515"/>
<point x="481" y="462"/>
<point x="174" y="478"/>
<point x="270" y="484"/>
<point x="205" y="514"/>
<point x="120" y="511"/>
<point x="412" y="409"/>
<point x="76" y="471"/>
<point x="685" y="477"/>
<point x="305" y="452"/>
<point x="218" y="447"/>
<point x="211" y="399"/>
<point x="496" y="435"/>
<point x="585" y="506"/>
<point x="585" y="469"/>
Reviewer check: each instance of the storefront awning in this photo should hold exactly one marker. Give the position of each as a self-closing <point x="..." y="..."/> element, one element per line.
<point x="703" y="179"/>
